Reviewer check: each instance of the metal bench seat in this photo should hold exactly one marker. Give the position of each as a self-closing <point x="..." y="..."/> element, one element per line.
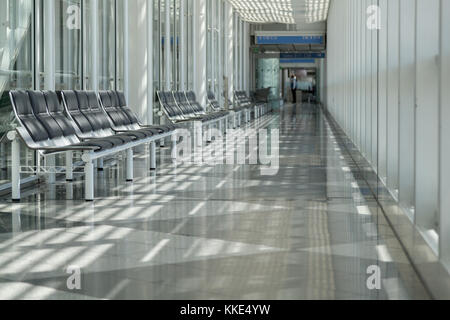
<point x="82" y="127"/>
<point x="123" y="118"/>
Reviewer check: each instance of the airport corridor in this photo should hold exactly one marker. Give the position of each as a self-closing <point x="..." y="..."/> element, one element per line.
<point x="312" y="231"/>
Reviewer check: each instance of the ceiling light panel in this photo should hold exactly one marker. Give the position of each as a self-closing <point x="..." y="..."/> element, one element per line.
<point x="317" y="10"/>
<point x="265" y="11"/>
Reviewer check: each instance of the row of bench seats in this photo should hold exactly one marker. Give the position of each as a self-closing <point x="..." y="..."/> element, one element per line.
<point x="243" y="101"/>
<point x="236" y="112"/>
<point x="98" y="126"/>
<point x="183" y="107"/>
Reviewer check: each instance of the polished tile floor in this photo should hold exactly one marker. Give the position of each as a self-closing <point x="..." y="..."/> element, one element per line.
<point x="211" y="232"/>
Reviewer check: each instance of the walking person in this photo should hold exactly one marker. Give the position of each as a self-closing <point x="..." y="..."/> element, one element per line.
<point x="294" y="88"/>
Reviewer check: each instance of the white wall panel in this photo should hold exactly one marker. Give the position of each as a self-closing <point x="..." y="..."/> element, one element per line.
<point x="393" y="41"/>
<point x="445" y="133"/>
<point x="427" y="90"/>
<point x="407" y="103"/>
<point x="382" y="95"/>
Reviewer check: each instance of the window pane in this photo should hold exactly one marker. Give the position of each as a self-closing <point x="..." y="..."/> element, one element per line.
<point x="68" y="44"/>
<point x="107" y="44"/>
<point x="16" y="70"/>
<point x="120" y="49"/>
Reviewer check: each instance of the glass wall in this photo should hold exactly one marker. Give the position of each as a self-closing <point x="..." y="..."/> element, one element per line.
<point x="268" y="75"/>
<point x="176" y="33"/>
<point x="157" y="48"/>
<point x="89" y="49"/>
<point x="68" y="54"/>
<point x="16" y="71"/>
<point x="22" y="61"/>
<point x="107" y="44"/>
<point x="190" y="43"/>
<point x="391" y="98"/>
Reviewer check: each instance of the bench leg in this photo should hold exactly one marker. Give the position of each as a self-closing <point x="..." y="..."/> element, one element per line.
<point x="50" y="164"/>
<point x="208" y="134"/>
<point x="174" y="146"/>
<point x="226" y="126"/>
<point x="69" y="166"/>
<point x="129" y="165"/>
<point x="221" y="128"/>
<point x="235" y="121"/>
<point x="100" y="165"/>
<point x="15" y="170"/>
<point x="199" y="135"/>
<point x="3" y="156"/>
<point x="89" y="181"/>
<point x="153" y="156"/>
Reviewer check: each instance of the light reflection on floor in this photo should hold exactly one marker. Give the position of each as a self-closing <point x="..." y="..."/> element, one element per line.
<point x="210" y="232"/>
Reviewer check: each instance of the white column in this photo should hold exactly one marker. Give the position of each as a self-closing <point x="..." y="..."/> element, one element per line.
<point x="241" y="55"/>
<point x="247" y="57"/>
<point x="229" y="48"/>
<point x="236" y="51"/>
<point x="183" y="51"/>
<point x="444" y="233"/>
<point x="49" y="44"/>
<point x="94" y="45"/>
<point x="150" y="89"/>
<point x="167" y="53"/>
<point x="37" y="43"/>
<point x="126" y="53"/>
<point x="200" y="51"/>
<point x="220" y="75"/>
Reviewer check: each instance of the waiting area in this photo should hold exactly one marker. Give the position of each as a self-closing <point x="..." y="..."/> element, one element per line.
<point x="217" y="153"/>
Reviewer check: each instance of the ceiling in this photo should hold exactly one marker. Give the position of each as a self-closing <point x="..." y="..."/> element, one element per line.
<point x="282" y="11"/>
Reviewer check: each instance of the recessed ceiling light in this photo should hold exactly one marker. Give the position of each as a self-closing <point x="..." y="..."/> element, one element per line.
<point x="265" y="11"/>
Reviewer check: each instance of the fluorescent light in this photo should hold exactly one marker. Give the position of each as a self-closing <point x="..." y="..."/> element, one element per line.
<point x="265" y="11"/>
<point x="317" y="10"/>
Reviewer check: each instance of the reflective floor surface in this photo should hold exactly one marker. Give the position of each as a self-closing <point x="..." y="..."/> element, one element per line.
<point x="312" y="231"/>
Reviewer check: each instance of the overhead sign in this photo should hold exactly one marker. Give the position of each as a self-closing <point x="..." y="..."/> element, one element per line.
<point x="284" y="61"/>
<point x="303" y="55"/>
<point x="306" y="40"/>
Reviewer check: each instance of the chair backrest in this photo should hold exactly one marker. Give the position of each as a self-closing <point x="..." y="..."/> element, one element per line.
<point x="212" y="101"/>
<point x="39" y="106"/>
<point x="190" y="95"/>
<point x="21" y="103"/>
<point x="56" y="110"/>
<point x="111" y="105"/>
<point x="88" y="106"/>
<point x="71" y="103"/>
<point x="123" y="106"/>
<point x="168" y="103"/>
<point x="183" y="104"/>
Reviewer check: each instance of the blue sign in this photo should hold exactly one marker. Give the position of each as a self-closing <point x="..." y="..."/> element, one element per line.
<point x="303" y="55"/>
<point x="297" y="60"/>
<point x="290" y="39"/>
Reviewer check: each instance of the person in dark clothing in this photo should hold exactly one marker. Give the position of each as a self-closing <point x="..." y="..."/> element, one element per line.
<point x="294" y="88"/>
